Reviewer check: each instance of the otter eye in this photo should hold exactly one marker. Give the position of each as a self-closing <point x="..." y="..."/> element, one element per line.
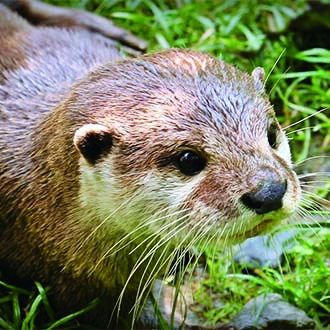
<point x="272" y="135"/>
<point x="190" y="163"/>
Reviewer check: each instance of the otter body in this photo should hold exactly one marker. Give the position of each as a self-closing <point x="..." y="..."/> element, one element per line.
<point x="109" y="167"/>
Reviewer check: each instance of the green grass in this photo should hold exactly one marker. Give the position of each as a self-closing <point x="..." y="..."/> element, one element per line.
<point x="20" y="308"/>
<point x="247" y="34"/>
<point x="303" y="280"/>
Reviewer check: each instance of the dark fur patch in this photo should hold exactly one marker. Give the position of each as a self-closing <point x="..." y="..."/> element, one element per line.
<point x="94" y="145"/>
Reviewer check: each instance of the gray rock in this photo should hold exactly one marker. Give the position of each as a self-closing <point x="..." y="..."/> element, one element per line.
<point x="266" y="250"/>
<point x="272" y="312"/>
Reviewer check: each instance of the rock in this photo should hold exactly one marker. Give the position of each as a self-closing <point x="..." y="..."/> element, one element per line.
<point x="266" y="250"/>
<point x="187" y="316"/>
<point x="272" y="312"/>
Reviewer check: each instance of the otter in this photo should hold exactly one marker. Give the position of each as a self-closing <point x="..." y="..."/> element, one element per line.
<point x="43" y="14"/>
<point x="112" y="167"/>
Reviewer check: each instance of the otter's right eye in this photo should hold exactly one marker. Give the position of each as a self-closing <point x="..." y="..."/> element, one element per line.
<point x="190" y="163"/>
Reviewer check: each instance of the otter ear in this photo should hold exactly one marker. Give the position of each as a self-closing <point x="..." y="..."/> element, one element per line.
<point x="93" y="141"/>
<point x="258" y="76"/>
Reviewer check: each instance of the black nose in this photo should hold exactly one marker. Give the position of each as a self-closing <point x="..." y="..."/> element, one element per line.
<point x="266" y="199"/>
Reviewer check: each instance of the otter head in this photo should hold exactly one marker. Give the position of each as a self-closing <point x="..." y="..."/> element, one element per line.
<point x="179" y="146"/>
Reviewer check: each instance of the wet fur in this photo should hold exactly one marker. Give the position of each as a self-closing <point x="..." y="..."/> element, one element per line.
<point x="105" y="229"/>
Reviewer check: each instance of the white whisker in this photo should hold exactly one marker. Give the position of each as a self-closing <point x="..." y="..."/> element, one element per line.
<point x="305" y="118"/>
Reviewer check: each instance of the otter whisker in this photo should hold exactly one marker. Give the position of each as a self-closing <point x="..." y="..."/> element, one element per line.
<point x="163" y="240"/>
<point x="192" y="240"/>
<point x="164" y="227"/>
<point x="302" y="129"/>
<point x="102" y="224"/>
<point x="309" y="222"/>
<point x="314" y="205"/>
<point x="306" y="118"/>
<point x="147" y="281"/>
<point x="315" y="197"/>
<point x="139" y="228"/>
<point x="310" y="159"/>
<point x="273" y="68"/>
<point x="308" y="175"/>
<point x="178" y="247"/>
<point x="148" y="241"/>
<point x="142" y="258"/>
<point x="309" y="182"/>
<point x="168" y="260"/>
<point x="311" y="205"/>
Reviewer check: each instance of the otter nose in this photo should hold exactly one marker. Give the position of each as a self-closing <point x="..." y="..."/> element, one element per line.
<point x="267" y="198"/>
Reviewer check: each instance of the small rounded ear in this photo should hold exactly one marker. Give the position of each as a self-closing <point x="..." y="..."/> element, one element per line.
<point x="93" y="141"/>
<point x="258" y="75"/>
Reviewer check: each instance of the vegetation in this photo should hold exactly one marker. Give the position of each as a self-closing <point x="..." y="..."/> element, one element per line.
<point x="289" y="39"/>
<point x="303" y="281"/>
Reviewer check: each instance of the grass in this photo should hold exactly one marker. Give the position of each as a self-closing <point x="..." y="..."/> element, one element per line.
<point x="303" y="281"/>
<point x="247" y="34"/>
<point x="20" y="308"/>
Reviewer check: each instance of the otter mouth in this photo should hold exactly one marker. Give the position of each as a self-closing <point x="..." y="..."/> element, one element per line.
<point x="260" y="228"/>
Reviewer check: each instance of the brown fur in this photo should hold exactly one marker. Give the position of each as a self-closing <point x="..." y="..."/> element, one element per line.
<point x="54" y="82"/>
<point x="43" y="14"/>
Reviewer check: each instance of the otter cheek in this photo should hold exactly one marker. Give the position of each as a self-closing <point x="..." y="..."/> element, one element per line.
<point x="292" y="198"/>
<point x="283" y="151"/>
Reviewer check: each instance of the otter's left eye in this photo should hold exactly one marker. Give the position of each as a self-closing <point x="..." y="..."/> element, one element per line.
<point x="190" y="163"/>
<point x="272" y="135"/>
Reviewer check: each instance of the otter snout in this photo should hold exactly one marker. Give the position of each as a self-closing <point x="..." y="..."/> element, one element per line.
<point x="266" y="198"/>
